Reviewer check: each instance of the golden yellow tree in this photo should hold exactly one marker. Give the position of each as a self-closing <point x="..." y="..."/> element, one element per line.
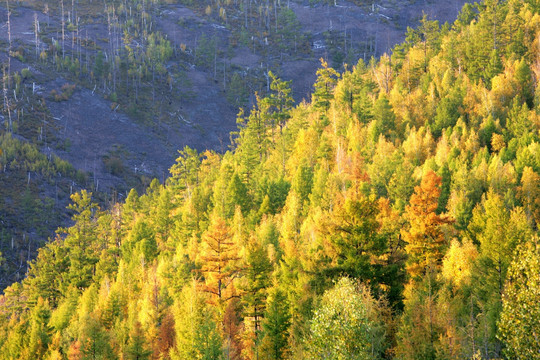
<point x="219" y="257"/>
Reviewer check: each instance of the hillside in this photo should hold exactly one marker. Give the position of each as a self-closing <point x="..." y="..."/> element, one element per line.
<point x="115" y="88"/>
<point x="392" y="215"/>
<point x="185" y="86"/>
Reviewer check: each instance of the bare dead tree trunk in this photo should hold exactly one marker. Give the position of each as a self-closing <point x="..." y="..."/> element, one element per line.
<point x="6" y="102"/>
<point x="224" y="76"/>
<point x="63" y="27"/>
<point x="276" y="15"/>
<point x="72" y="42"/>
<point x="111" y="42"/>
<point x="79" y="47"/>
<point x="36" y="32"/>
<point x="9" y="41"/>
<point x="86" y="52"/>
<point x="246" y="15"/>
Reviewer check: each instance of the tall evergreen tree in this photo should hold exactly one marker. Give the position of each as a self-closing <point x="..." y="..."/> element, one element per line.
<point x="324" y="86"/>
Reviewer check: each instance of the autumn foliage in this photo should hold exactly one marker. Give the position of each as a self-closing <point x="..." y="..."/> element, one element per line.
<point x="395" y="216"/>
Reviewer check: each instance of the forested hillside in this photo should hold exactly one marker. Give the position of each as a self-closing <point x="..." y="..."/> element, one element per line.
<point x="394" y="216"/>
<point x="114" y="88"/>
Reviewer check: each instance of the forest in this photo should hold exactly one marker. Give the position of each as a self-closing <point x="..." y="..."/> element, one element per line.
<point x="393" y="216"/>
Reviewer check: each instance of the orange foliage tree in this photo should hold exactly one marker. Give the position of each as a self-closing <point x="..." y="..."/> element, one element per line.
<point x="424" y="237"/>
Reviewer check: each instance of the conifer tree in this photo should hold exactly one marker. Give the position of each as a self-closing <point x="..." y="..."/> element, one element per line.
<point x="424" y="237"/>
<point x="385" y="118"/>
<point x="237" y="194"/>
<point x="324" y="86"/>
<point x="257" y="280"/>
<point x="136" y="349"/>
<point x="185" y="172"/>
<point x="40" y="332"/>
<point x="303" y="182"/>
<point x="253" y="139"/>
<point x="130" y="208"/>
<point x="518" y="123"/>
<point x="499" y="232"/>
<point x="354" y="238"/>
<point x="275" y="326"/>
<point x="81" y="240"/>
<point x="280" y="100"/>
<point x="45" y="273"/>
<point x="163" y="221"/>
<point x="219" y="260"/>
<point x="94" y="339"/>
